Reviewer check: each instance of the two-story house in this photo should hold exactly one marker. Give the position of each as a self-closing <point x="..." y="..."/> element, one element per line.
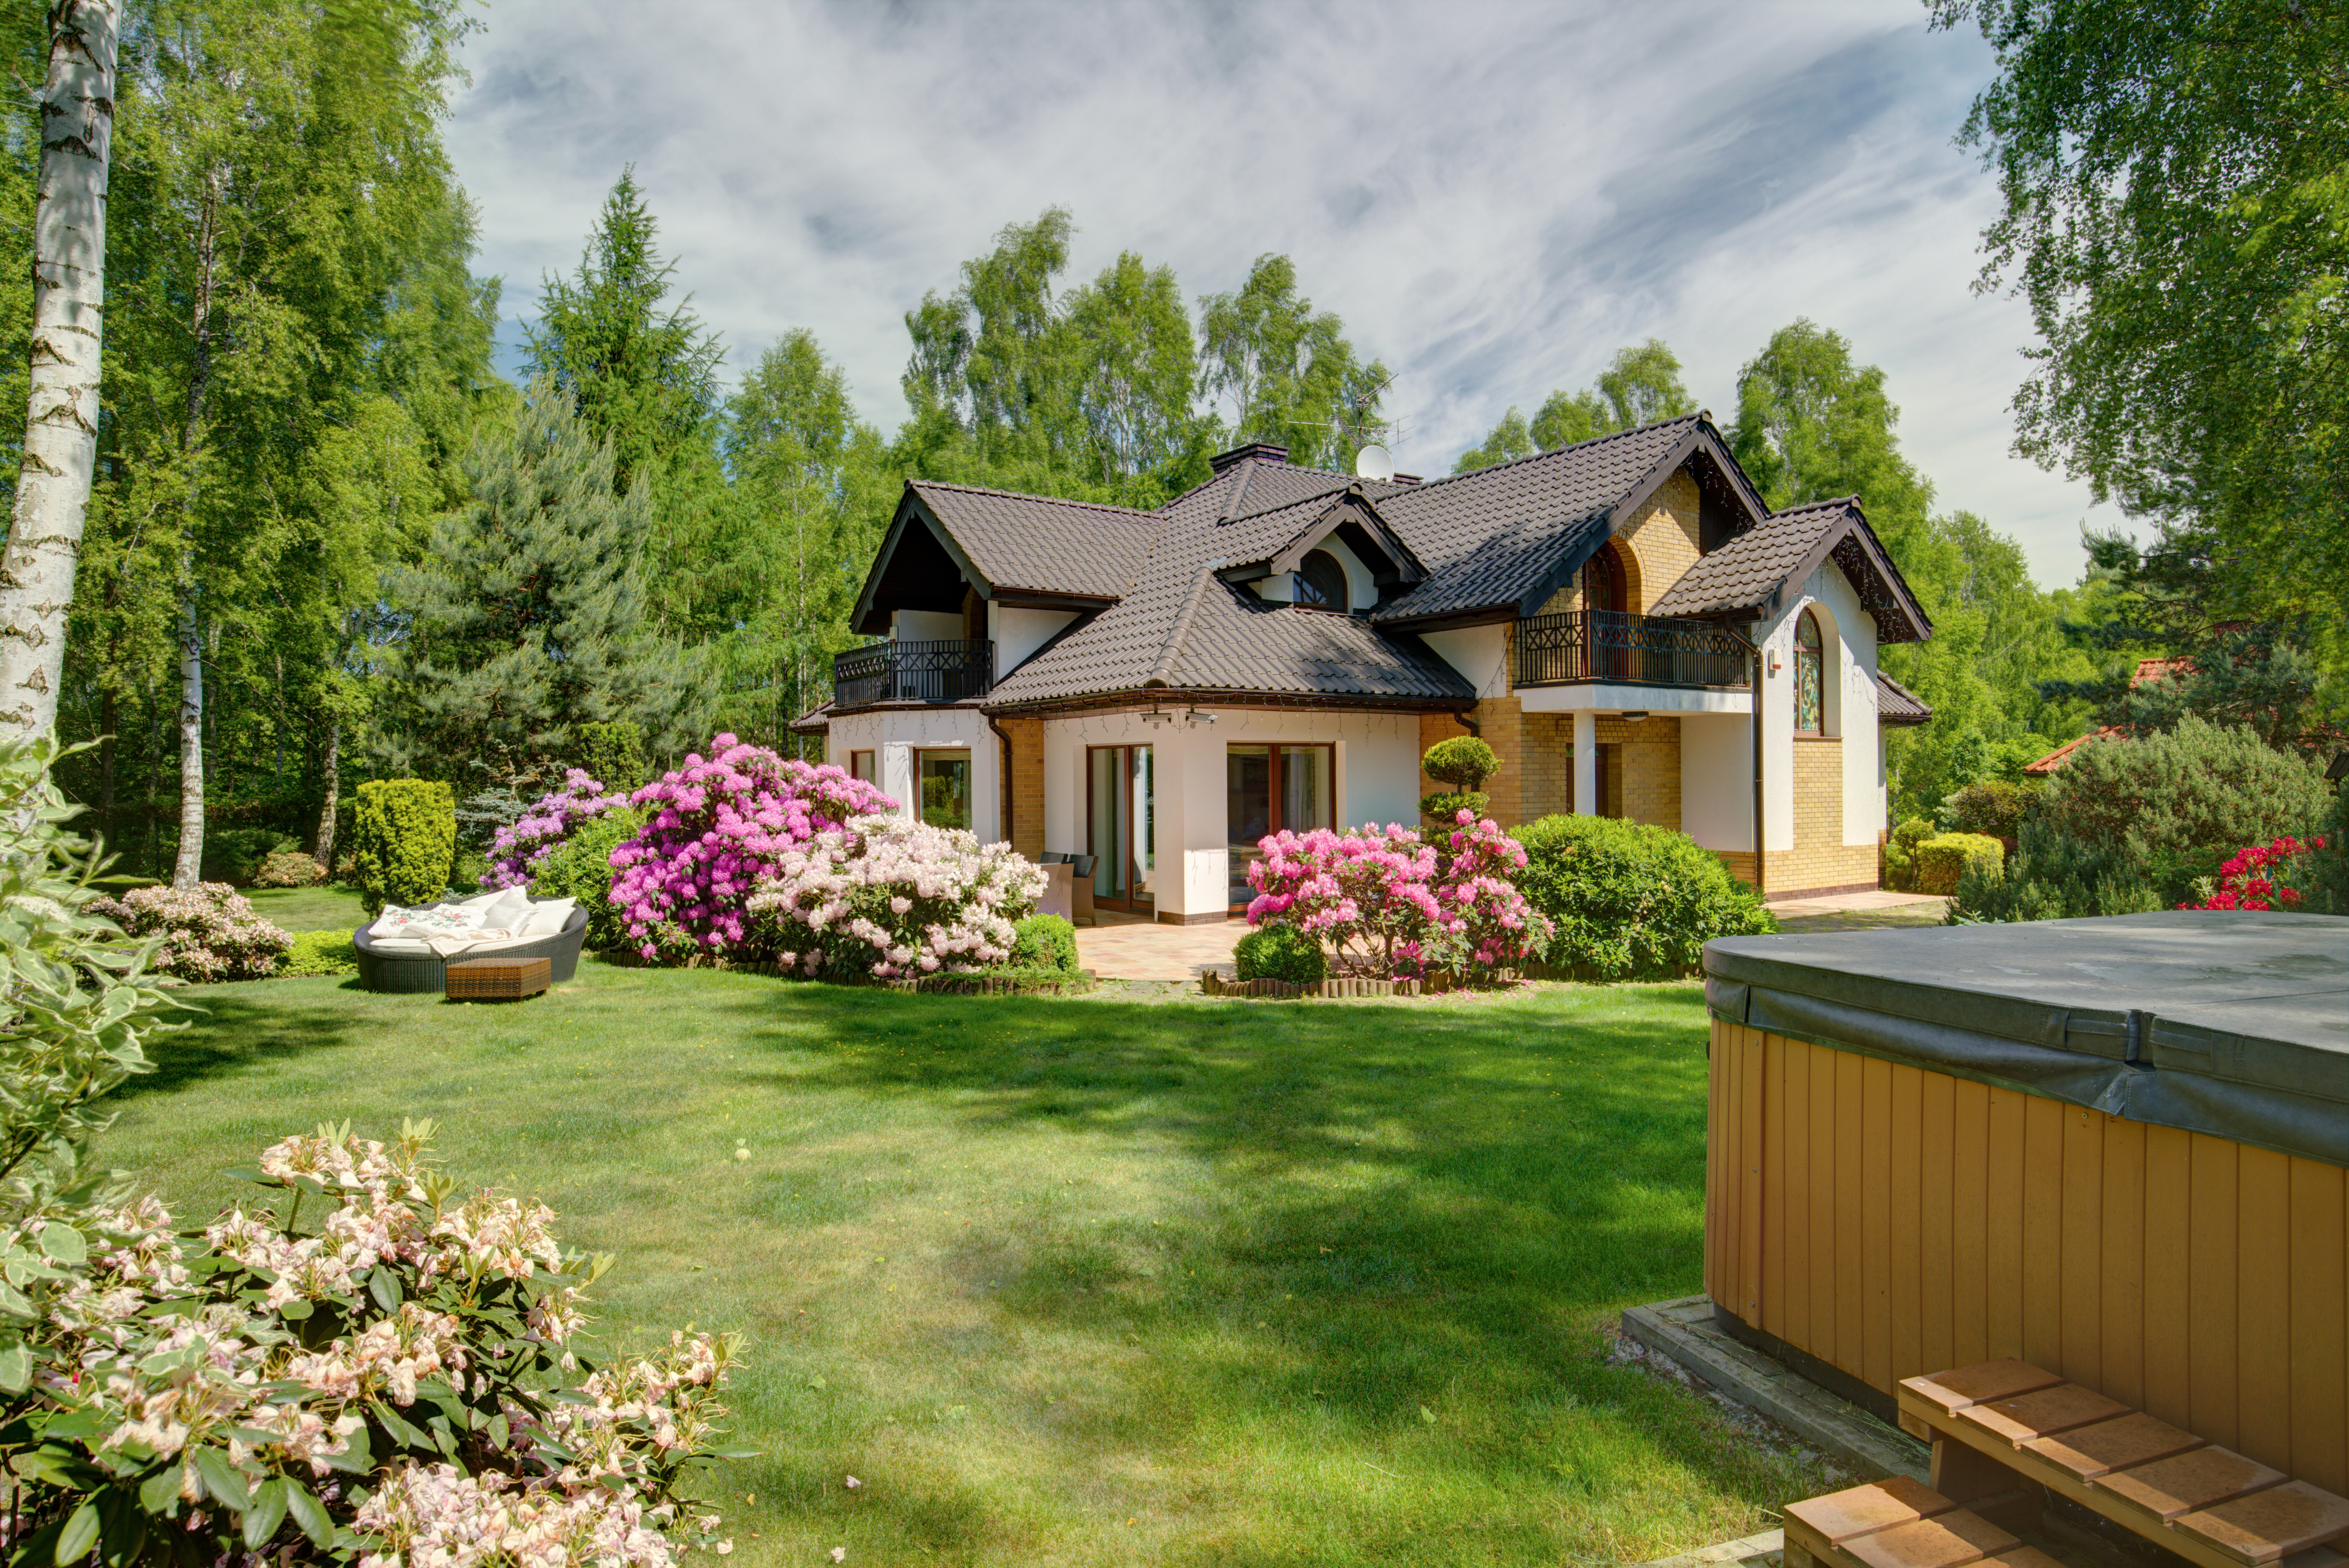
<point x="1632" y="628"/>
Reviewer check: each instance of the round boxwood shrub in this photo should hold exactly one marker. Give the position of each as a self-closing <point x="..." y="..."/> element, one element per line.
<point x="1630" y="900"/>
<point x="581" y="868"/>
<point x="1281" y="953"/>
<point x="1044" y="941"/>
<point x="1464" y="762"/>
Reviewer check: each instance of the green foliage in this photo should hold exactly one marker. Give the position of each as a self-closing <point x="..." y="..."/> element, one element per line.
<point x="1942" y="861"/>
<point x="1281" y="953"/>
<point x="238" y="854"/>
<point x="2055" y="877"/>
<point x="1630" y="900"/>
<point x="581" y="868"/>
<point x="530" y="608"/>
<point x="403" y="840"/>
<point x="1912" y="832"/>
<point x="288" y="868"/>
<point x="1446" y="806"/>
<point x="78" y="1005"/>
<point x="320" y="952"/>
<point x="1464" y="761"/>
<point x="1640" y="386"/>
<point x="1044" y="941"/>
<point x="1991" y="806"/>
<point x="2176" y="213"/>
<point x="1291" y="375"/>
<point x="612" y="755"/>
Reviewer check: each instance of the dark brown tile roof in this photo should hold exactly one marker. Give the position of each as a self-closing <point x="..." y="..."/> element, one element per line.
<point x="1746" y="570"/>
<point x="1896" y="703"/>
<point x="1041" y="543"/>
<point x="1489" y="537"/>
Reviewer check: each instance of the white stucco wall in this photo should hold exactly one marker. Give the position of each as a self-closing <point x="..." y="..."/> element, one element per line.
<point x="894" y="735"/>
<point x="1481" y="654"/>
<point x="925" y="626"/>
<point x="1018" y="633"/>
<point x="1717" y="779"/>
<point x="1849" y="693"/>
<point x="1361" y="591"/>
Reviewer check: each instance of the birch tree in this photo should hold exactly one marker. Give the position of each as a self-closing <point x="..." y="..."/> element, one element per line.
<point x="61" y="415"/>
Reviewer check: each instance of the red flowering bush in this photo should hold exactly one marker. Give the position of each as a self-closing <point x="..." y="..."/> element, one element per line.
<point x="2263" y="876"/>
<point x="1387" y="904"/>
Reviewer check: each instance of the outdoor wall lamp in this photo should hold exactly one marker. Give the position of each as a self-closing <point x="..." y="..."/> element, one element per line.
<point x="1635" y="715"/>
<point x="1157" y="716"/>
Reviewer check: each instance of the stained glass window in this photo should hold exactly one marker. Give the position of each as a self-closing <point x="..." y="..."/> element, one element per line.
<point x="1809" y="696"/>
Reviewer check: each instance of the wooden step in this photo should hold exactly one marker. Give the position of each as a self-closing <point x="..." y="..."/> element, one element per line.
<point x="2270" y="1524"/>
<point x="2122" y="1443"/>
<point x="1897" y="1523"/>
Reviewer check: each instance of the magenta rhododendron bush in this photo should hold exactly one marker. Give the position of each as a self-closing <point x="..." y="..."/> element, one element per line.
<point x="518" y="849"/>
<point x="2263" y="876"/>
<point x="1388" y="903"/>
<point x="372" y="1364"/>
<point x="890" y="898"/>
<point x="718" y="826"/>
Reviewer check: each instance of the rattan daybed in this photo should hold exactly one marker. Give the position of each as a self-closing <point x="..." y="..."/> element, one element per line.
<point x="428" y="971"/>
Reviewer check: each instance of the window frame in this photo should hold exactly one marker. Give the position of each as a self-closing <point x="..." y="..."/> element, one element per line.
<point x="867" y="770"/>
<point x="1345" y="601"/>
<point x="1816" y="658"/>
<point x="1273" y="782"/>
<point x="969" y="781"/>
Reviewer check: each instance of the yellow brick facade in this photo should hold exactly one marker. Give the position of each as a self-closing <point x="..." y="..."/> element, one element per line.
<point x="1026" y="785"/>
<point x="1820" y="860"/>
<point x="1656" y="550"/>
<point x="1537" y="753"/>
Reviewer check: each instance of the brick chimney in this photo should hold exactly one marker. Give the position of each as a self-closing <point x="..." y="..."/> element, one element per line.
<point x="1262" y="451"/>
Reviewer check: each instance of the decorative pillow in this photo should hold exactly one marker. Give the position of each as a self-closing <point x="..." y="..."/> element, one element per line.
<point x="548" y="918"/>
<point x="512" y="908"/>
<point x="436" y="919"/>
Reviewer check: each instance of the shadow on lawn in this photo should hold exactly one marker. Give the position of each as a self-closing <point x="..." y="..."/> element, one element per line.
<point x="1410" y="1202"/>
<point x="231" y="1027"/>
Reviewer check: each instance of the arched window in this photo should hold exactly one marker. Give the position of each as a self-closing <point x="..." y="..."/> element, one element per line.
<point x="1321" y="582"/>
<point x="1602" y="581"/>
<point x="1810" y="686"/>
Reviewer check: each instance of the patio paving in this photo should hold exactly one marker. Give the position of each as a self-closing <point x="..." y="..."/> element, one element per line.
<point x="1131" y="947"/>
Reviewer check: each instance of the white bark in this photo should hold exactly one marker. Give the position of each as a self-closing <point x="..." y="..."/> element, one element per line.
<point x="36" y="571"/>
<point x="334" y="787"/>
<point x="187" y="871"/>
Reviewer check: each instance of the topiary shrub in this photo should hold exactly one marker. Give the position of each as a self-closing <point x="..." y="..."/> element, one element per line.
<point x="1044" y="941"/>
<point x="1465" y="762"/>
<point x="1900" y="852"/>
<point x="1281" y="953"/>
<point x="210" y="931"/>
<point x="580" y="867"/>
<point x="403" y="840"/>
<point x="288" y="868"/>
<point x="613" y="753"/>
<point x="317" y="953"/>
<point x="1630" y="900"/>
<point x="1941" y="861"/>
<point x="1991" y="806"/>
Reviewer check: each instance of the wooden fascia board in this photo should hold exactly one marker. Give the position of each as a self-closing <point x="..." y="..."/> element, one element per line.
<point x="945" y="536"/>
<point x="1854" y="526"/>
<point x="1450" y="620"/>
<point x="1757" y="508"/>
<point x="1355" y="508"/>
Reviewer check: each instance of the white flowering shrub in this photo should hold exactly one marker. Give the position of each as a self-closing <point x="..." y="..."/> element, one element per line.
<point x="370" y="1367"/>
<point x="210" y="931"/>
<point x="890" y="898"/>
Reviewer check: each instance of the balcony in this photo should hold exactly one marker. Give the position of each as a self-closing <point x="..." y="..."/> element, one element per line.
<point x="1592" y="646"/>
<point x="949" y="671"/>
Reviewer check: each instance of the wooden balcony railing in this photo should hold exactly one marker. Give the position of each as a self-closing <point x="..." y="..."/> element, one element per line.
<point x="946" y="671"/>
<point x="1583" y="646"/>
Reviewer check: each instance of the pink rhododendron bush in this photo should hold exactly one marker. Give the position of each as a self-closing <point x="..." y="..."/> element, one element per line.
<point x="1387" y="903"/>
<point x="521" y="848"/>
<point x="209" y="931"/>
<point x="370" y="1365"/>
<point x="718" y="827"/>
<point x="890" y="898"/>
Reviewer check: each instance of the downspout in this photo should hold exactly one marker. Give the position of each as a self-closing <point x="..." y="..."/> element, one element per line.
<point x="1003" y="786"/>
<point x="1753" y="651"/>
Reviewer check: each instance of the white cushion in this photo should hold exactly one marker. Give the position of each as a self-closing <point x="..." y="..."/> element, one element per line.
<point x="400" y="946"/>
<point x="483" y="901"/>
<point x="548" y="917"/>
<point x="509" y="912"/>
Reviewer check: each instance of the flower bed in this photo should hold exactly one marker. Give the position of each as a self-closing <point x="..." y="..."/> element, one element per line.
<point x="520" y="850"/>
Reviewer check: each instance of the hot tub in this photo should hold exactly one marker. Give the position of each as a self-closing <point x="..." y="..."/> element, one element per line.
<point x="2114" y="1147"/>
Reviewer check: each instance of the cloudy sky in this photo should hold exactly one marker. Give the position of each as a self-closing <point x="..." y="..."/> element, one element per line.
<point x="1494" y="197"/>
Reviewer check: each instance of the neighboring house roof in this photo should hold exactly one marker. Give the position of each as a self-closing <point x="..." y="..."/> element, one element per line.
<point x="2148" y="671"/>
<point x="1754" y="571"/>
<point x="1896" y="703"/>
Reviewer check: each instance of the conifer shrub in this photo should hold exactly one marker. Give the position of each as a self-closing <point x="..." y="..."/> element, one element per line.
<point x="1465" y="762"/>
<point x="613" y="753"/>
<point x="1281" y="953"/>
<point x="1629" y="900"/>
<point x="1942" y="861"/>
<point x="403" y="840"/>
<point x="1044" y="941"/>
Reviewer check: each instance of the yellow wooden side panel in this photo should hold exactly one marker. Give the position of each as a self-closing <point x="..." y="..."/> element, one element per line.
<point x="1969" y="1222"/>
<point x="1937" y="1221"/>
<point x="1772" y="1261"/>
<point x="2210" y="1243"/>
<point x="1846" y="1138"/>
<point x="1903" y="1304"/>
<point x="2121" y="1287"/>
<point x="1795" y="1199"/>
<point x="1822" y="1341"/>
<point x="2003" y="1274"/>
<point x="1712" y="1159"/>
<point x="1876" y="1221"/>
<point x="2080" y="1251"/>
<point x="1749" y="1178"/>
<point x="2263" y="1306"/>
<point x="2168" y="1267"/>
<point x="2042" y="1263"/>
<point x="2320" y="1326"/>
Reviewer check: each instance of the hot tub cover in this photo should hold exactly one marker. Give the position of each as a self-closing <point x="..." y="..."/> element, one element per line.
<point x="2228" y="1022"/>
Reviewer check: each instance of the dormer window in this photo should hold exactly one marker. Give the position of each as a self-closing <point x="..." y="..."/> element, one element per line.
<point x="1321" y="582"/>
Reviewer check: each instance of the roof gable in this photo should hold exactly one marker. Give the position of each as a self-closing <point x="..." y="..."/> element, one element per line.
<point x="1023" y="549"/>
<point x="1754" y="571"/>
<point x="1274" y="541"/>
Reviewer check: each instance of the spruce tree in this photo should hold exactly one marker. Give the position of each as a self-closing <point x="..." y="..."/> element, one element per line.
<point x="528" y="613"/>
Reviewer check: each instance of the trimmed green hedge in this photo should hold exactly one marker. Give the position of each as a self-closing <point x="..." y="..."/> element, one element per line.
<point x="612" y="755"/>
<point x="1631" y="900"/>
<point x="1281" y="953"/>
<point x="403" y="840"/>
<point x="1942" y="861"/>
<point x="1044" y="941"/>
<point x="320" y="952"/>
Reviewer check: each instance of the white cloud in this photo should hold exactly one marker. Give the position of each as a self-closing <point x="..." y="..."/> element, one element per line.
<point x="1494" y="196"/>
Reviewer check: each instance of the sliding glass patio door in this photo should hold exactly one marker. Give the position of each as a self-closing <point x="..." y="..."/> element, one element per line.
<point x="1122" y="832"/>
<point x="1268" y="790"/>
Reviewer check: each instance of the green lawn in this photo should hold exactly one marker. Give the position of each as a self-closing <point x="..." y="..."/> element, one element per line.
<point x="307" y="908"/>
<point x="1081" y="1281"/>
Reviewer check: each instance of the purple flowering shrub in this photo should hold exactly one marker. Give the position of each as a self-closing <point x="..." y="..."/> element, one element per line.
<point x="210" y="931"/>
<point x="1387" y="903"/>
<point x="519" y="849"/>
<point x="718" y="827"/>
<point x="890" y="898"/>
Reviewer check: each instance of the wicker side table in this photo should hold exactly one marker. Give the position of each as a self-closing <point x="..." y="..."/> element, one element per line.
<point x="497" y="979"/>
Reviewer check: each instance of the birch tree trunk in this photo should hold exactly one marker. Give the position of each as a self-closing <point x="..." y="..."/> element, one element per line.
<point x="186" y="869"/>
<point x="36" y="571"/>
<point x="334" y="788"/>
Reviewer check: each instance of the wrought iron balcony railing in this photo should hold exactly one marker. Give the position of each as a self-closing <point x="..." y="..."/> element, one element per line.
<point x="945" y="671"/>
<point x="1582" y="645"/>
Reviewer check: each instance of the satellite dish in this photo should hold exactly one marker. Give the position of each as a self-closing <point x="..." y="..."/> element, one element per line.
<point x="1374" y="462"/>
